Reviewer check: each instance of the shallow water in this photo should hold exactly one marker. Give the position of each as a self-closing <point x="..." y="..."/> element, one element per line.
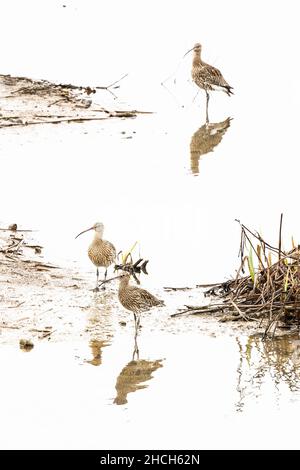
<point x="187" y="390"/>
<point x="176" y="186"/>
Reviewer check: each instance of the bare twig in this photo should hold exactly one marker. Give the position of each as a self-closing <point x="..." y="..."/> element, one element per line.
<point x="114" y="83"/>
<point x="279" y="243"/>
<point x="239" y="310"/>
<point x="16" y="230"/>
<point x="16" y="306"/>
<point x="177" y="288"/>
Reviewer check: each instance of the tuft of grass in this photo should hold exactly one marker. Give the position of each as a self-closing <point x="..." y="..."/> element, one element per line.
<point x="128" y="253"/>
<point x="251" y="265"/>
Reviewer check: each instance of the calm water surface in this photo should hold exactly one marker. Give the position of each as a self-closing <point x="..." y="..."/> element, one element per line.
<point x="187" y="390"/>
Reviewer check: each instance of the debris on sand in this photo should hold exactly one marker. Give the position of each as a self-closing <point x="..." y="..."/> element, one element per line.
<point x="14" y="247"/>
<point x="24" y="101"/>
<point x="26" y="345"/>
<point x="38" y="299"/>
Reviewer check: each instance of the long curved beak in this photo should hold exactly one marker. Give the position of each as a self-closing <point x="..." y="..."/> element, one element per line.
<point x="87" y="230"/>
<point x="188" y="52"/>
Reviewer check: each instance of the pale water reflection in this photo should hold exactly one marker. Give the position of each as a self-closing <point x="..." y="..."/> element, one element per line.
<point x="276" y="362"/>
<point x="96" y="349"/>
<point x="133" y="377"/>
<point x="207" y="379"/>
<point x="135" y="374"/>
<point x="205" y="139"/>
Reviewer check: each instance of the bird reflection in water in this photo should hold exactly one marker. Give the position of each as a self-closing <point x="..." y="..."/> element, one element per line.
<point x="134" y="375"/>
<point x="96" y="348"/>
<point x="205" y="139"/>
<point x="278" y="360"/>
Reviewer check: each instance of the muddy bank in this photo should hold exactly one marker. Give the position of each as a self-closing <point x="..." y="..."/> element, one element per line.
<point x="41" y="301"/>
<point x="24" y="101"/>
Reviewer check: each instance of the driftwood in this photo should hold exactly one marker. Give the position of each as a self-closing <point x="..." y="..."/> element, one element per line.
<point x="13" y="228"/>
<point x="13" y="250"/>
<point x="134" y="268"/>
<point x="177" y="288"/>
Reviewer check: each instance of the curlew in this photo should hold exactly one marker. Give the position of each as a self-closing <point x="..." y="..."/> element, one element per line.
<point x="135" y="299"/>
<point x="207" y="77"/>
<point x="101" y="252"/>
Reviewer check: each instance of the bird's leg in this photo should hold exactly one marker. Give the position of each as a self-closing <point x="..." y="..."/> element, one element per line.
<point x="97" y="288"/>
<point x="207" y="100"/>
<point x="136" y="322"/>
<point x="103" y="286"/>
<point x="136" y="352"/>
<point x="136" y="348"/>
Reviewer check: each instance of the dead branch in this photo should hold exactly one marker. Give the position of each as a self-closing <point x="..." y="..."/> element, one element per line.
<point x="16" y="230"/>
<point x="177" y="288"/>
<point x="112" y="85"/>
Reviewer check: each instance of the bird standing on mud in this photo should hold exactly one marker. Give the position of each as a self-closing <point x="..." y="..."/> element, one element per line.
<point x="101" y="252"/>
<point x="135" y="299"/>
<point x="206" y="76"/>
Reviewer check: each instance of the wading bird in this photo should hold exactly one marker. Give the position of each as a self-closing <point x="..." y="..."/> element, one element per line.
<point x="135" y="299"/>
<point x="101" y="252"/>
<point x="206" y="76"/>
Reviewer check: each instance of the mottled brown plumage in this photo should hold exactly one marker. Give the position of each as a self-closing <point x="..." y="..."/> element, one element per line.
<point x="135" y="299"/>
<point x="102" y="253"/>
<point x="207" y="77"/>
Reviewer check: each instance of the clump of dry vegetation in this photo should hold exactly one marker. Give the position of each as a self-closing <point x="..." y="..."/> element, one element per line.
<point x="266" y="287"/>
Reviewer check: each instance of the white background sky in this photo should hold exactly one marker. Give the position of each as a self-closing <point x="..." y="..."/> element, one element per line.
<point x="95" y="38"/>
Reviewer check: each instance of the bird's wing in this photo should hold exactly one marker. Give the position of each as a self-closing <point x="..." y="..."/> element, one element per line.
<point x="213" y="76"/>
<point x="134" y="300"/>
<point x="149" y="298"/>
<point x="141" y="297"/>
<point x="110" y="248"/>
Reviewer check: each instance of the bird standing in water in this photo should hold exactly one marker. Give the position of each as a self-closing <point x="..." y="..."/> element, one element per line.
<point x="135" y="299"/>
<point x="206" y="76"/>
<point x="101" y="252"/>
